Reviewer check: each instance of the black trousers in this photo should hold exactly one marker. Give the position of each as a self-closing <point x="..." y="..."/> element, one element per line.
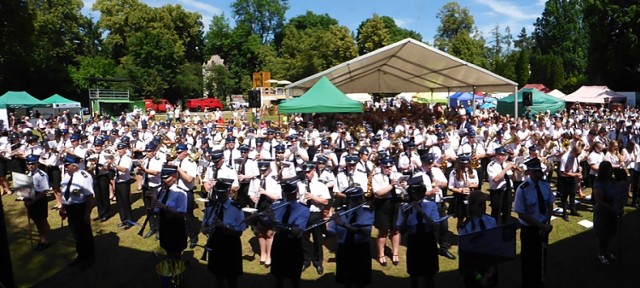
<point x="442" y="228"/>
<point x="313" y="251"/>
<point x="567" y="186"/>
<point x="243" y="198"/>
<point x="533" y="257"/>
<point x="101" y="191"/>
<point x="500" y="205"/>
<point x="150" y="195"/>
<point x="81" y="231"/>
<point x="193" y="227"/>
<point x="123" y="198"/>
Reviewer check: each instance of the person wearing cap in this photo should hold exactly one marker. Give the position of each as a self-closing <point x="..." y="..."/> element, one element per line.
<point x="50" y="163"/>
<point x="409" y="160"/>
<point x="149" y="171"/>
<point x="350" y="151"/>
<point x="315" y="195"/>
<point x="326" y="151"/>
<point x="387" y="197"/>
<point x="37" y="205"/>
<point x="217" y="169"/>
<point x="353" y="232"/>
<point x="100" y="166"/>
<point x="76" y="149"/>
<point x="187" y="171"/>
<point x="570" y="175"/>
<point x="32" y="147"/>
<point x="171" y="208"/>
<point x="264" y="190"/>
<point x="312" y="137"/>
<point x="230" y="151"/>
<point x="223" y="223"/>
<point x="122" y="165"/>
<point x="476" y="221"/>
<point x="282" y="169"/>
<point x="246" y="169"/>
<point x="618" y="133"/>
<point x="77" y="201"/>
<point x="291" y="220"/>
<point x="534" y="206"/>
<point x="296" y="153"/>
<point x="417" y="220"/>
<point x="594" y="159"/>
<point x="325" y="175"/>
<point x="500" y="173"/>
<point x="462" y="180"/>
<point x="345" y="179"/>
<point x="341" y="137"/>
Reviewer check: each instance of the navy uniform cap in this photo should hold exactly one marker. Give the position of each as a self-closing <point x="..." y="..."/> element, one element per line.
<point x="464" y="159"/>
<point x="32" y="158"/>
<point x="533" y="164"/>
<point x="351" y="159"/>
<point x="64" y="131"/>
<point x="223" y="185"/>
<point x="363" y="150"/>
<point x="150" y="147"/>
<point x="324" y="142"/>
<point x="353" y="192"/>
<point x="387" y="162"/>
<point x="230" y="139"/>
<point x="71" y="159"/>
<point x="501" y="150"/>
<point x="168" y="170"/>
<point x="280" y="148"/>
<point x="351" y="144"/>
<point x="289" y="187"/>
<point x="428" y="158"/>
<point x="217" y="155"/>
<point x="122" y="145"/>
<point x="95" y="128"/>
<point x="533" y="148"/>
<point x="321" y="159"/>
<point x="98" y="142"/>
<point x="244" y="148"/>
<point x="310" y="166"/>
<point x="264" y="165"/>
<point x="75" y="137"/>
<point x="181" y="147"/>
<point x="471" y="133"/>
<point x="259" y="140"/>
<point x="33" y="138"/>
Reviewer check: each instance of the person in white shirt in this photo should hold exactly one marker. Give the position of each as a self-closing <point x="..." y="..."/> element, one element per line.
<point x="595" y="157"/>
<point x="122" y="164"/>
<point x="500" y="185"/>
<point x="37" y="209"/>
<point x="263" y="191"/>
<point x="315" y="195"/>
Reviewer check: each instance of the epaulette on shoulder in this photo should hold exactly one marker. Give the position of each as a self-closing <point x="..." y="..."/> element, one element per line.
<point x="524" y="185"/>
<point x="235" y="204"/>
<point x="84" y="174"/>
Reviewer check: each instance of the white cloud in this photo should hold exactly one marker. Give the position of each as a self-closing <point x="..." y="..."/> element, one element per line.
<point x="541" y="2"/>
<point x="402" y="22"/>
<point x="515" y="12"/>
<point x="204" y="8"/>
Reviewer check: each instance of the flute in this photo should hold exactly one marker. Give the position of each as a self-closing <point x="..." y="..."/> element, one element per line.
<point x="340" y="214"/>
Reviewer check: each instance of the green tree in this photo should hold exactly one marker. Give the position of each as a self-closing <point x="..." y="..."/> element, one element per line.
<point x="372" y="35"/>
<point x="188" y="27"/>
<point x="522" y="67"/>
<point x="548" y="70"/>
<point x="397" y="33"/>
<point x="457" y="35"/>
<point x="218" y="36"/>
<point x="560" y="31"/>
<point x="264" y="18"/>
<point x="524" y="41"/>
<point x="16" y="46"/>
<point x="614" y="45"/>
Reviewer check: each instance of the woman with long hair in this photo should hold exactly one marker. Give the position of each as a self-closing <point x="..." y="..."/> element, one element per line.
<point x="462" y="181"/>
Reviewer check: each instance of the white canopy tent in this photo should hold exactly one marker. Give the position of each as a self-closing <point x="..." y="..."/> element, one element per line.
<point x="557" y="93"/>
<point x="407" y="65"/>
<point x="360" y="97"/>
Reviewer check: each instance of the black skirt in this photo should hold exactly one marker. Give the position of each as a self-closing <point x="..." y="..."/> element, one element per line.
<point x="173" y="233"/>
<point x="353" y="263"/>
<point x="3" y="167"/>
<point x="16" y="165"/>
<point x="38" y="209"/>
<point x="225" y="259"/>
<point x="422" y="254"/>
<point x="386" y="214"/>
<point x="55" y="176"/>
<point x="287" y="256"/>
<point x="459" y="208"/>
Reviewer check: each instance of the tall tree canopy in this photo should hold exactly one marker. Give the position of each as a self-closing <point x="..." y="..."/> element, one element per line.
<point x="264" y="18"/>
<point x="458" y="36"/>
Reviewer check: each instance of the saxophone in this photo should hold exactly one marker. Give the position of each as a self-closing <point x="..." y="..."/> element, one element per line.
<point x="475" y="163"/>
<point x="369" y="192"/>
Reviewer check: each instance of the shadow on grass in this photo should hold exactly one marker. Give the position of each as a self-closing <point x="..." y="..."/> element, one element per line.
<point x="125" y="260"/>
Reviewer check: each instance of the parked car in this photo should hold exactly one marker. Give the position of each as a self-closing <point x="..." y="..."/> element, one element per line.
<point x="210" y="104"/>
<point x="238" y="105"/>
<point x="160" y="105"/>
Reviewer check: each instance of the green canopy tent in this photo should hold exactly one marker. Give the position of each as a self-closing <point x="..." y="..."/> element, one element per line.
<point x="323" y="97"/>
<point x="57" y="101"/>
<point x="541" y="103"/>
<point x="19" y="99"/>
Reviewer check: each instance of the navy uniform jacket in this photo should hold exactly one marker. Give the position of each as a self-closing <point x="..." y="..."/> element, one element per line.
<point x="233" y="217"/>
<point x="364" y="221"/>
<point x="429" y="207"/>
<point x="298" y="218"/>
<point x="526" y="200"/>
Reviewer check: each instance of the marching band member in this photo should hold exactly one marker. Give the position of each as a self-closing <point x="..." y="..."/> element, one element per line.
<point x="122" y="165"/>
<point x="291" y="221"/>
<point x="150" y="169"/>
<point x="50" y="162"/>
<point x="246" y="170"/>
<point x="263" y="191"/>
<point x="387" y="202"/>
<point x="171" y="207"/>
<point x="416" y="220"/>
<point x="100" y="170"/>
<point x="223" y="223"/>
<point x="283" y="169"/>
<point x="500" y="185"/>
<point x="37" y="206"/>
<point x="570" y="174"/>
<point x="187" y="170"/>
<point x="462" y="181"/>
<point x="77" y="201"/>
<point x="315" y="195"/>
<point x="353" y="229"/>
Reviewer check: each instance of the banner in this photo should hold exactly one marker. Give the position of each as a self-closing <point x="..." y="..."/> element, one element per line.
<point x="487" y="247"/>
<point x="23" y="185"/>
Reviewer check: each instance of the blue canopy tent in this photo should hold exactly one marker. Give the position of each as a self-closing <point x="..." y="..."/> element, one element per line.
<point x="464" y="98"/>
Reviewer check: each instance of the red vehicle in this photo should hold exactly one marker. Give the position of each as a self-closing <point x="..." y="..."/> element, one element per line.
<point x="210" y="104"/>
<point x="159" y="105"/>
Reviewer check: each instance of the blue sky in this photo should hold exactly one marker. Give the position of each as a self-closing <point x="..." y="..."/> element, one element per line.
<point x="417" y="15"/>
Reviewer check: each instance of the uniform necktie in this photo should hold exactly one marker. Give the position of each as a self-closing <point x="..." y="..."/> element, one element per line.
<point x="287" y="214"/>
<point x="507" y="180"/>
<point x="420" y="227"/>
<point x="220" y="214"/>
<point x="230" y="158"/>
<point x="67" y="192"/>
<point x="146" y="175"/>
<point x="117" y="170"/>
<point x="97" y="168"/>
<point x="542" y="206"/>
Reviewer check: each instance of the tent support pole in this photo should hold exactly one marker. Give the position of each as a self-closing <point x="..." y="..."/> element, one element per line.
<point x="515" y="109"/>
<point x="473" y="101"/>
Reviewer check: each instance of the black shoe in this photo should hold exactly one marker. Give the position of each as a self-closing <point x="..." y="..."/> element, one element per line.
<point x="445" y="245"/>
<point x="128" y="226"/>
<point x="575" y="213"/>
<point x="320" y="270"/>
<point x="565" y="217"/>
<point x="447" y="254"/>
<point x="103" y="219"/>
<point x="97" y="218"/>
<point x="122" y="225"/>
<point x="305" y="266"/>
<point x="150" y="233"/>
<point x="194" y="243"/>
<point x="42" y="246"/>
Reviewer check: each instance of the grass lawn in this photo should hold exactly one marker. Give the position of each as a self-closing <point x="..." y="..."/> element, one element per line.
<point x="125" y="259"/>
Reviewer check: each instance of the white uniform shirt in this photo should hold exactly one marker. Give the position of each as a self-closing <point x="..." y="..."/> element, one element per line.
<point x="123" y="161"/>
<point x="318" y="189"/>
<point x="81" y="187"/>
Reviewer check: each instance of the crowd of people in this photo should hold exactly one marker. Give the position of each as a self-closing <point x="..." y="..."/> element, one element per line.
<point x="403" y="171"/>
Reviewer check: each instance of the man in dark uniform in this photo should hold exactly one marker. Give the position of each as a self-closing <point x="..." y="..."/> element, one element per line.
<point x="37" y="206"/>
<point x="353" y="229"/>
<point x="100" y="172"/>
<point x="316" y="196"/>
<point x="223" y="223"/>
<point x="287" y="253"/>
<point x="534" y="204"/>
<point x="77" y="201"/>
<point x="171" y="208"/>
